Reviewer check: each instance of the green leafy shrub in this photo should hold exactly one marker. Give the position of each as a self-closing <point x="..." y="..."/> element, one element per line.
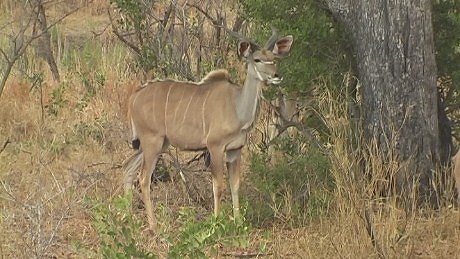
<point x="92" y="83"/>
<point x="118" y="229"/>
<point x="293" y="188"/>
<point x="58" y="100"/>
<point x="197" y="238"/>
<point x="95" y="130"/>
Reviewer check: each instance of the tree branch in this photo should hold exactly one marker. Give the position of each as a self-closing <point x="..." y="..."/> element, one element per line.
<point x="5" y="144"/>
<point x="222" y="24"/>
<point x="121" y="37"/>
<point x="340" y="9"/>
<point x="287" y="123"/>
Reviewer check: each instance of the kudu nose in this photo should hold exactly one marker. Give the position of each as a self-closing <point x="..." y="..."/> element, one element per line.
<point x="275" y="79"/>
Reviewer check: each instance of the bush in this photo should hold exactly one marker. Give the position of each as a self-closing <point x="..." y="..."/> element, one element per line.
<point x="118" y="229"/>
<point x="196" y="238"/>
<point x="294" y="188"/>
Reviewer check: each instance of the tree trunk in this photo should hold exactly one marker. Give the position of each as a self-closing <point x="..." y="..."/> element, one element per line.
<point x="394" y="48"/>
<point x="43" y="46"/>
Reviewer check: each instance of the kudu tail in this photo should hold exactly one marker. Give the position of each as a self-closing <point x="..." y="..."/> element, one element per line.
<point x="135" y="142"/>
<point x="131" y="166"/>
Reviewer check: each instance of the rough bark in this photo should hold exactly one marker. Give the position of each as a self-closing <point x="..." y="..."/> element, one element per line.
<point x="43" y="46"/>
<point x="445" y="133"/>
<point x="394" y="48"/>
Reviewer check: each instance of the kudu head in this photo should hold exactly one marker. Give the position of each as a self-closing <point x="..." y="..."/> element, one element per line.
<point x="261" y="61"/>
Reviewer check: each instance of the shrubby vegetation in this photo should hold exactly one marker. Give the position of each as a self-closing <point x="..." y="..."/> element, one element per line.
<point x="298" y="186"/>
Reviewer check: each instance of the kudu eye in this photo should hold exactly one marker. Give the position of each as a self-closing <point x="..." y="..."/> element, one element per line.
<point x="257" y="60"/>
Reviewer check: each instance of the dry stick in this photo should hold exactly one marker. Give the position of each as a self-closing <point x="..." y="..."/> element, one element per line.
<point x="122" y="37"/>
<point x="242" y="254"/>
<point x="372" y="234"/>
<point x="5" y="144"/>
<point x="177" y="165"/>
<point x="114" y="166"/>
<point x="287" y="123"/>
<point x="97" y="34"/>
<point x="197" y="157"/>
<point x="221" y="24"/>
<point x="57" y="226"/>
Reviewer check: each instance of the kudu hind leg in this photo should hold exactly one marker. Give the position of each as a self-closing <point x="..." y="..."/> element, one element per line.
<point x="152" y="151"/>
<point x="130" y="167"/>
<point x="233" y="166"/>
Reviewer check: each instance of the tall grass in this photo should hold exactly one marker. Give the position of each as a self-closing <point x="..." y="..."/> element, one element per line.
<point x="57" y="148"/>
<point x="374" y="220"/>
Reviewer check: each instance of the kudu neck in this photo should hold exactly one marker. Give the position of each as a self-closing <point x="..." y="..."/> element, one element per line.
<point x="248" y="98"/>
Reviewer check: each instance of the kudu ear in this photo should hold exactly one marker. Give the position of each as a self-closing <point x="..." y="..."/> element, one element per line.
<point x="283" y="46"/>
<point x="244" y="49"/>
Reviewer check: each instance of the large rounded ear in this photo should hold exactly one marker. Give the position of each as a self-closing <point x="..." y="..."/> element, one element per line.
<point x="244" y="49"/>
<point x="283" y="46"/>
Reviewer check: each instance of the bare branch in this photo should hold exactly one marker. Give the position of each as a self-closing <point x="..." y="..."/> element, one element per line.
<point x="340" y="9"/>
<point x="223" y="25"/>
<point x="246" y="254"/>
<point x="372" y="232"/>
<point x="168" y="12"/>
<point x="5" y="56"/>
<point x="197" y="157"/>
<point x="97" y="34"/>
<point x="5" y="144"/>
<point x="121" y="37"/>
<point x="286" y="123"/>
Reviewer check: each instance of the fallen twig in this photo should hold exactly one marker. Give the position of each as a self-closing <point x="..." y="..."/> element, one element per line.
<point x="242" y="254"/>
<point x="114" y="166"/>
<point x="5" y="144"/>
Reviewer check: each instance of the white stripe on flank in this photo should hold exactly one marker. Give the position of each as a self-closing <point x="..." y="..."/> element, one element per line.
<point x="177" y="107"/>
<point x="186" y="109"/>
<point x="153" y="109"/>
<point x="166" y="109"/>
<point x="202" y="113"/>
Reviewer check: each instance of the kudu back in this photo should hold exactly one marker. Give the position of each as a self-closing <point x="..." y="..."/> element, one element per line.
<point x="213" y="114"/>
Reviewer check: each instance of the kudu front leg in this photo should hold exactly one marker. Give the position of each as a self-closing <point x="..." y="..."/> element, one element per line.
<point x="233" y="166"/>
<point x="217" y="169"/>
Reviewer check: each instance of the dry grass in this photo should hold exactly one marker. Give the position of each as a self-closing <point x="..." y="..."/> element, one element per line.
<point x="52" y="164"/>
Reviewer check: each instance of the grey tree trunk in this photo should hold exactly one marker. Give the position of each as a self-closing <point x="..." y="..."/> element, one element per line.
<point x="43" y="44"/>
<point x="395" y="56"/>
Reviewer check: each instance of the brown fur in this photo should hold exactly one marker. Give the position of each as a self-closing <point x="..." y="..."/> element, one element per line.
<point x="213" y="114"/>
<point x="217" y="75"/>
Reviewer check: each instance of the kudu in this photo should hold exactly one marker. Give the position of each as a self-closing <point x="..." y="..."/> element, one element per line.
<point x="214" y="114"/>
